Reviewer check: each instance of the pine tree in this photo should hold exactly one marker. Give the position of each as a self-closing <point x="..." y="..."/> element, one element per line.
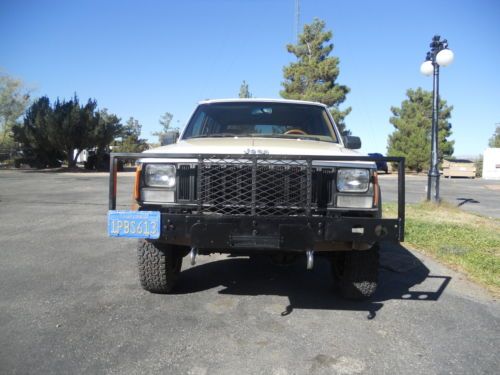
<point x="72" y="127"/>
<point x="108" y="127"/>
<point x="313" y="77"/>
<point x="165" y="122"/>
<point x="131" y="141"/>
<point x="412" y="135"/>
<point x="495" y="138"/>
<point x="244" y="91"/>
<point x="132" y="128"/>
<point x="53" y="132"/>
<point x="34" y="134"/>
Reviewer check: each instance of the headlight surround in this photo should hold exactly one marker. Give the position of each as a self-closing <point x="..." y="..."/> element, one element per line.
<point x="160" y="175"/>
<point x="351" y="180"/>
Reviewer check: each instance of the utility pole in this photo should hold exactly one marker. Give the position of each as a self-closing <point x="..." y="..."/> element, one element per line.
<point x="297" y="20"/>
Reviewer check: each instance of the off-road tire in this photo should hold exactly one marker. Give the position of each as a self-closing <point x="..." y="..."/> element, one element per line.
<point x="356" y="272"/>
<point x="159" y="266"/>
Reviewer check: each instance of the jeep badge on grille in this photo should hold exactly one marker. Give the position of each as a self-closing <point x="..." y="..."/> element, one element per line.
<point x="254" y="151"/>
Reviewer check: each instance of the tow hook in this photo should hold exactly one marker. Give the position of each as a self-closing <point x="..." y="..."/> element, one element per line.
<point x="193" y="254"/>
<point x="310" y="259"/>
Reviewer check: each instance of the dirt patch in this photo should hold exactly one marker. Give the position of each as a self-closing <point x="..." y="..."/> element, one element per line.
<point x="492" y="187"/>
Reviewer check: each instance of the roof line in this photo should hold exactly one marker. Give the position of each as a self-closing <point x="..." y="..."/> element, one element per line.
<point x="257" y="100"/>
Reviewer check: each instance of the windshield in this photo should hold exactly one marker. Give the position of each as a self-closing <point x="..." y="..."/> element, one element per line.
<point x="266" y="119"/>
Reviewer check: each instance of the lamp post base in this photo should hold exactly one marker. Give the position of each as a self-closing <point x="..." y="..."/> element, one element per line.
<point x="433" y="188"/>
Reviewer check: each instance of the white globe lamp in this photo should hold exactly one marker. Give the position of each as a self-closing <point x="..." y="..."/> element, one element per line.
<point x="444" y="57"/>
<point x="427" y="68"/>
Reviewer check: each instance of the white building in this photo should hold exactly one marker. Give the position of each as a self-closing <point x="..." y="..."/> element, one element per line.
<point x="491" y="164"/>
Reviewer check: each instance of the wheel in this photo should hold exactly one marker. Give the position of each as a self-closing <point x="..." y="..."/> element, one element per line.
<point x="356" y="272"/>
<point x="159" y="266"/>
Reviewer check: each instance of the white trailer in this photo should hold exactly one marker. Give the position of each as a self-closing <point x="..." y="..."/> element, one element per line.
<point x="491" y="164"/>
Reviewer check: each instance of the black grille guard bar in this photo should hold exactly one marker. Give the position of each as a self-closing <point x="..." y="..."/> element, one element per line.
<point x="115" y="156"/>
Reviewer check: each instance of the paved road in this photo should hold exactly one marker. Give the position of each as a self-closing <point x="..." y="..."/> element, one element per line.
<point x="70" y="303"/>
<point x="477" y="195"/>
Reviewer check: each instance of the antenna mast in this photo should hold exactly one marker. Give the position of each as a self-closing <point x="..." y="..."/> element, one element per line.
<point x="297" y="20"/>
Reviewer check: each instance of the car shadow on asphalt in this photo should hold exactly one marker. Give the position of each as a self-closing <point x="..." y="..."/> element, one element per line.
<point x="402" y="277"/>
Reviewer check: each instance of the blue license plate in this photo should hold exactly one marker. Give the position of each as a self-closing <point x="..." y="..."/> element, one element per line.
<point x="134" y="224"/>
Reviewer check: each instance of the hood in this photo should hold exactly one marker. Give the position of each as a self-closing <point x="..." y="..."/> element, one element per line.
<point x="270" y="146"/>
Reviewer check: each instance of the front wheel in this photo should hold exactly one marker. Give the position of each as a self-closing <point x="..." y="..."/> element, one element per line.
<point x="159" y="266"/>
<point x="356" y="272"/>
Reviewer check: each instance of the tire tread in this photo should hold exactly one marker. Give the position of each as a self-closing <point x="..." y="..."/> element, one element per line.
<point x="158" y="266"/>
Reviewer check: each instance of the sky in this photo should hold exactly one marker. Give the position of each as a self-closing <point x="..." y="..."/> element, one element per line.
<point x="145" y="58"/>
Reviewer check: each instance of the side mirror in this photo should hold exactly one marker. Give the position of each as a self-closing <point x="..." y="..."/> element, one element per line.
<point x="352" y="142"/>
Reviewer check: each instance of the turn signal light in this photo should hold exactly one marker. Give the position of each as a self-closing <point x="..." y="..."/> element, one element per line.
<point x="137" y="186"/>
<point x="376" y="194"/>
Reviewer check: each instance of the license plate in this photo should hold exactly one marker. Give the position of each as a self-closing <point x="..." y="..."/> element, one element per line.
<point x="134" y="224"/>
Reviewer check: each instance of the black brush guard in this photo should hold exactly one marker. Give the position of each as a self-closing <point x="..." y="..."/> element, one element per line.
<point x="261" y="220"/>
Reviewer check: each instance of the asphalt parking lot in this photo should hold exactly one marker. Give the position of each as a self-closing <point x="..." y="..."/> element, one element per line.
<point x="70" y="301"/>
<point x="474" y="195"/>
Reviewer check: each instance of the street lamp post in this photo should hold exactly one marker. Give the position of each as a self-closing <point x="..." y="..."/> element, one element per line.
<point x="439" y="55"/>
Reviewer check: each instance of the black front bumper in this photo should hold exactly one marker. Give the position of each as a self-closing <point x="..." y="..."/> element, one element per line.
<point x="224" y="230"/>
<point x="223" y="233"/>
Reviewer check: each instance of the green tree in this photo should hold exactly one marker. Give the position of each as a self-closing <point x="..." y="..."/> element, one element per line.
<point x="313" y="76"/>
<point x="132" y="128"/>
<point x="495" y="138"/>
<point x="412" y="135"/>
<point x="73" y="127"/>
<point x="66" y="128"/>
<point x="165" y="122"/>
<point x="244" y="90"/>
<point x="108" y="128"/>
<point x="131" y="141"/>
<point x="34" y="134"/>
<point x="131" y="144"/>
<point x="14" y="100"/>
<point x="479" y="166"/>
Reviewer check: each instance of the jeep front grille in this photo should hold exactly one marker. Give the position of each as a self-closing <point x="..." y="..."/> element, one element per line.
<point x="264" y="187"/>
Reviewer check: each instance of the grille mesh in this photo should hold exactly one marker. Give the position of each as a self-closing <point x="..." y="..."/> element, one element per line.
<point x="254" y="187"/>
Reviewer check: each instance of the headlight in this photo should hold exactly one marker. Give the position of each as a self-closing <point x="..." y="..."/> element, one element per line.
<point x="160" y="175"/>
<point x="353" y="180"/>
